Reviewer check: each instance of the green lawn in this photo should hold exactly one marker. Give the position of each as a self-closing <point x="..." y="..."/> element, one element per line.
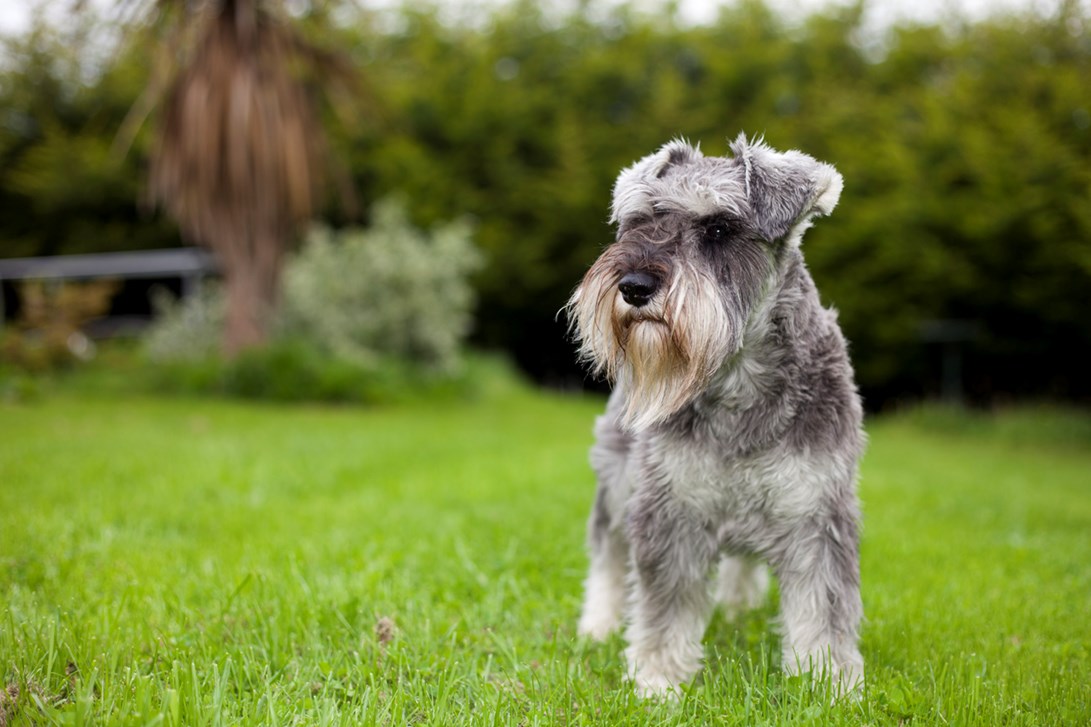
<point x="183" y="561"/>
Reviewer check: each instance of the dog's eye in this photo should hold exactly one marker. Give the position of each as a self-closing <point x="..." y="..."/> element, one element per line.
<point x="716" y="233"/>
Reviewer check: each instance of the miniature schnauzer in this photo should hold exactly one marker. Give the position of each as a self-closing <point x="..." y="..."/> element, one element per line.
<point x="734" y="428"/>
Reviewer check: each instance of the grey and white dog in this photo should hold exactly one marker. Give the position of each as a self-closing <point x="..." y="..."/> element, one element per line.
<point x="733" y="432"/>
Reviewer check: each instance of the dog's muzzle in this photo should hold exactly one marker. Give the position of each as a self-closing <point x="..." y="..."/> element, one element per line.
<point x="637" y="288"/>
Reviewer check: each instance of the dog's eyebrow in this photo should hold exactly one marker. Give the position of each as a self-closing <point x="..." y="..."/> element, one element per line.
<point x="635" y="221"/>
<point x="720" y="218"/>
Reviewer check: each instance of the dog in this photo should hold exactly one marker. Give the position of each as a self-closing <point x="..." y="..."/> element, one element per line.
<point x="732" y="436"/>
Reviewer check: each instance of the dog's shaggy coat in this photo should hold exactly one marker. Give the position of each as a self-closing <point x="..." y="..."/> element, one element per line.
<point x="733" y="433"/>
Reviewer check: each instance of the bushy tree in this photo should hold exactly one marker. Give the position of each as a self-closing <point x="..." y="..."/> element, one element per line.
<point x="62" y="191"/>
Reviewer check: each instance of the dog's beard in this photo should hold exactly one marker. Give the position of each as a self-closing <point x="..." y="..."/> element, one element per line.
<point x="655" y="375"/>
<point x="661" y="355"/>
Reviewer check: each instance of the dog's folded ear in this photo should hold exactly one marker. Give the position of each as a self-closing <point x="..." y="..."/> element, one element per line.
<point x="785" y="190"/>
<point x="635" y="187"/>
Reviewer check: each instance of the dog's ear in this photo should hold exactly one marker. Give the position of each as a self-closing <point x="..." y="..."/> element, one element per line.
<point x="785" y="190"/>
<point x="632" y="191"/>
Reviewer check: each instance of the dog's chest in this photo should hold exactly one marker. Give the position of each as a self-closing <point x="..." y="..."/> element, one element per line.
<point x="771" y="485"/>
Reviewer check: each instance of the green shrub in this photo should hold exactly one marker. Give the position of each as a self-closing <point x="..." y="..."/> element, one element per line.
<point x="188" y="329"/>
<point x="388" y="291"/>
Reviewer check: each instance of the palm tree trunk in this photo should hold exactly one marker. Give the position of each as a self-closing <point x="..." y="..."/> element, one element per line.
<point x="251" y="282"/>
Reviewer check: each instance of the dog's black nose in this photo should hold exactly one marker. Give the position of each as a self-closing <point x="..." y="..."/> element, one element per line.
<point x="637" y="288"/>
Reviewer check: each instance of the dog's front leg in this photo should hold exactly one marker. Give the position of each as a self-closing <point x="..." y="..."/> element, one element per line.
<point x="672" y="551"/>
<point x="819" y="578"/>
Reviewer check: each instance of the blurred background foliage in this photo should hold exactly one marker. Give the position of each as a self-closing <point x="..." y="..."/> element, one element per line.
<point x="966" y="150"/>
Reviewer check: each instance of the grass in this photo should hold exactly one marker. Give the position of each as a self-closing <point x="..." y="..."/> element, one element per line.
<point x="187" y="561"/>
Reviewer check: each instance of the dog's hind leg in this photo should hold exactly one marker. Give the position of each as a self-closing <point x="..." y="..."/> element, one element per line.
<point x="741" y="585"/>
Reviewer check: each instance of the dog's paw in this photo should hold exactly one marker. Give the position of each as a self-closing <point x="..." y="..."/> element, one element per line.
<point x="659" y="675"/>
<point x="655" y="686"/>
<point x="843" y="677"/>
<point x="597" y="625"/>
<point x="603" y="607"/>
<point x="850" y="680"/>
<point x="649" y="684"/>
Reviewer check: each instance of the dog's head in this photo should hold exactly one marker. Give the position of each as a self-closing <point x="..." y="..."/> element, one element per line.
<point x="698" y="242"/>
